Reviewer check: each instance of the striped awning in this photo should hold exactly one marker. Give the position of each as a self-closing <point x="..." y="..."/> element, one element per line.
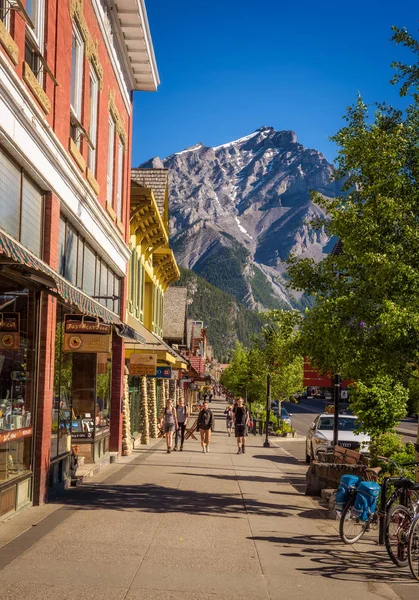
<point x="69" y="293"/>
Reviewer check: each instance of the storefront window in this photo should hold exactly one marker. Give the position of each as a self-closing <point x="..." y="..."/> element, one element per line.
<point x="82" y="392"/>
<point x="61" y="408"/>
<point x="17" y="375"/>
<point x="103" y="395"/>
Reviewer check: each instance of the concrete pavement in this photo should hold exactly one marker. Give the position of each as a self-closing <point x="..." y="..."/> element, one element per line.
<point x="193" y="526"/>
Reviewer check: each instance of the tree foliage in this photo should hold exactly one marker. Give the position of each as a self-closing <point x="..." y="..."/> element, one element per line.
<point x="365" y="320"/>
<point x="379" y="405"/>
<point x="274" y="351"/>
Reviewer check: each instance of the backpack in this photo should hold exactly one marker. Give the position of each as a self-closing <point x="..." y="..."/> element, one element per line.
<point x="342" y="493"/>
<point x="366" y="499"/>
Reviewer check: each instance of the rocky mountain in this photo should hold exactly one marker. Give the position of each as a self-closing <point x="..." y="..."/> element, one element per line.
<point x="237" y="211"/>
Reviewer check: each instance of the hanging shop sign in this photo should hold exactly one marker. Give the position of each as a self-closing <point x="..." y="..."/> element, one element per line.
<point x="86" y="334"/>
<point x="142" y="364"/>
<point x="163" y="373"/>
<point x="9" y="331"/>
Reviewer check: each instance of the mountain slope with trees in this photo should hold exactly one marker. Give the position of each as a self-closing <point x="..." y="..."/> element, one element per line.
<point x="227" y="320"/>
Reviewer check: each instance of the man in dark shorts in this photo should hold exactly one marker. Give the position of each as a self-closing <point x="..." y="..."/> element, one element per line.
<point x="241" y="419"/>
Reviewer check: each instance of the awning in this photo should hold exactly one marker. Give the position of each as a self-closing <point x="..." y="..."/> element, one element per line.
<point x="13" y="250"/>
<point x="130" y="334"/>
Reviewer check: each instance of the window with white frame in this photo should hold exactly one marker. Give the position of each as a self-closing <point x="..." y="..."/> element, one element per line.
<point x="77" y="58"/>
<point x="94" y="99"/>
<point x="34" y="40"/>
<point x="119" y="186"/>
<point x="36" y="11"/>
<point x="5" y="13"/>
<point x="111" y="156"/>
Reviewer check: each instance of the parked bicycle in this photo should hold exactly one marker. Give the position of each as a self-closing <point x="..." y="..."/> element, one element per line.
<point x="399" y="505"/>
<point x="413" y="548"/>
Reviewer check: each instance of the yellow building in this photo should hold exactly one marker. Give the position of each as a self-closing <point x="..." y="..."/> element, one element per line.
<point x="152" y="269"/>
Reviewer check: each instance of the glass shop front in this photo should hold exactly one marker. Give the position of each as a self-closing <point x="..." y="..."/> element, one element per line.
<point x="82" y="390"/>
<point x="19" y="310"/>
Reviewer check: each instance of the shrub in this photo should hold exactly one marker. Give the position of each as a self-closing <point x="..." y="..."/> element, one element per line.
<point x="390" y="445"/>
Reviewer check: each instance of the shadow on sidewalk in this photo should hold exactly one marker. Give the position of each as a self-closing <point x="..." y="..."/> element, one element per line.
<point x="159" y="499"/>
<point x="250" y="478"/>
<point x="332" y="559"/>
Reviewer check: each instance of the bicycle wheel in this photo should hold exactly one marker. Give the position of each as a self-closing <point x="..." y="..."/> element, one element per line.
<point x="396" y="534"/>
<point x="413" y="551"/>
<point x="413" y="502"/>
<point x="351" y="529"/>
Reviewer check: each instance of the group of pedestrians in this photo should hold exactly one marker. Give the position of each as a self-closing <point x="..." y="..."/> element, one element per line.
<point x="174" y="421"/>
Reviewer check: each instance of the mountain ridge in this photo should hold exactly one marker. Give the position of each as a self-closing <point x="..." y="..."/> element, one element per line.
<point x="248" y="201"/>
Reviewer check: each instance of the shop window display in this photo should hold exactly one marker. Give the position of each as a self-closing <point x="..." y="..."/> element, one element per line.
<point x="61" y="408"/>
<point x="17" y="367"/>
<point x="82" y="395"/>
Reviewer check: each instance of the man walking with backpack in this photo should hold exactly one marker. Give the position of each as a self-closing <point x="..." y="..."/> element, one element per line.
<point x="182" y="417"/>
<point x="241" y="420"/>
<point x="205" y="425"/>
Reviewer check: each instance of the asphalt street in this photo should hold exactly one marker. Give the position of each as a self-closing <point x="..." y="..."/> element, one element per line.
<point x="305" y="412"/>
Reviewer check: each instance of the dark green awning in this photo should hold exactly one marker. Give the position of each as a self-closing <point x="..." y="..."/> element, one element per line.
<point x="68" y="292"/>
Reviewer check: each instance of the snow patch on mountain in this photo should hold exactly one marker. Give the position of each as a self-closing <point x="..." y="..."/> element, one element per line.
<point x="242" y="229"/>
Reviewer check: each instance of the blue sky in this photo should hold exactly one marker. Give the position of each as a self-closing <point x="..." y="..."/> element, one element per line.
<point x="228" y="67"/>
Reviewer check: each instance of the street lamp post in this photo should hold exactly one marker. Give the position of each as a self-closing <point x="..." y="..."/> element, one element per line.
<point x="266" y="443"/>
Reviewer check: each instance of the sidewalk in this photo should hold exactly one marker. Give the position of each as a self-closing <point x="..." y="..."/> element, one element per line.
<point x="194" y="526"/>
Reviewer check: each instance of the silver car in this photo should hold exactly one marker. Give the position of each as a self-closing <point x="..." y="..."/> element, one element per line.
<point x="320" y="435"/>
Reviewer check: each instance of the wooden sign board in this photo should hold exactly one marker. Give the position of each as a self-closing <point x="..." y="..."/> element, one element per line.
<point x="86" y="334"/>
<point x="142" y="364"/>
<point x="9" y="331"/>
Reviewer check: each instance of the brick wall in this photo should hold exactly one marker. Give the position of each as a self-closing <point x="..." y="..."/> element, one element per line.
<point x="57" y="52"/>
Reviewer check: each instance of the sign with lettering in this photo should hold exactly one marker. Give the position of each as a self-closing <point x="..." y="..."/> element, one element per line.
<point x="9" y="331"/>
<point x="16" y="434"/>
<point x="142" y="364"/>
<point x="86" y="334"/>
<point x="163" y="373"/>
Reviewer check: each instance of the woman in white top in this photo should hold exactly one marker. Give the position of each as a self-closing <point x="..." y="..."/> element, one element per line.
<point x="169" y="424"/>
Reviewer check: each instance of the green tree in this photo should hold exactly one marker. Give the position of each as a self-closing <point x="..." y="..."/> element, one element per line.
<point x="274" y="351"/>
<point x="236" y="376"/>
<point x="379" y="405"/>
<point x="365" y="321"/>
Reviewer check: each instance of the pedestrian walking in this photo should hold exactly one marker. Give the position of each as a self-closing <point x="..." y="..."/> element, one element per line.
<point x="182" y="417"/>
<point x="229" y="419"/>
<point x="210" y="397"/>
<point x="205" y="425"/>
<point x="169" y="424"/>
<point x="241" y="420"/>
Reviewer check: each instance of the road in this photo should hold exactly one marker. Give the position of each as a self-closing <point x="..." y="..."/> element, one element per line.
<point x="304" y="413"/>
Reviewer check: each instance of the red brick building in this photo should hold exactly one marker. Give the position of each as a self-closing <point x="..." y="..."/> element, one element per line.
<point x="68" y="70"/>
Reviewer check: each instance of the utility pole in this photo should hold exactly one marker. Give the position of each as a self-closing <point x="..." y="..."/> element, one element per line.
<point x="266" y="443"/>
<point x="336" y="397"/>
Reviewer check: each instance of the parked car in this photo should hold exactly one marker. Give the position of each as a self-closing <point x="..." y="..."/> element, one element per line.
<point x="285" y="415"/>
<point x="320" y="435"/>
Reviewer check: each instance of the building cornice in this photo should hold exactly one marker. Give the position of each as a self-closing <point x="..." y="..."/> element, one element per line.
<point x="134" y="35"/>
